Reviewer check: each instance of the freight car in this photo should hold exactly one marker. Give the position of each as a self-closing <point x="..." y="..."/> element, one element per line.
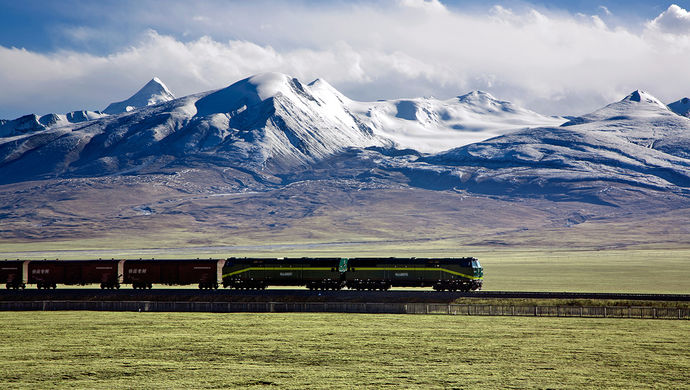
<point x="450" y="274"/>
<point x="12" y="273"/>
<point x="110" y="274"/>
<point x="145" y="273"/>
<point x="49" y="273"/>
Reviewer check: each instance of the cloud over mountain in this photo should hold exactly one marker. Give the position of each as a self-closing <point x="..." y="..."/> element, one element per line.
<point x="550" y="62"/>
<point x="675" y="20"/>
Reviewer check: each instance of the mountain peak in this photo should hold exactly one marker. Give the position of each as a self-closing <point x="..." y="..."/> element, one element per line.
<point x="251" y="91"/>
<point x="155" y="87"/>
<point x="681" y="107"/>
<point x="477" y="96"/>
<point x="643" y="97"/>
<point x="154" y="92"/>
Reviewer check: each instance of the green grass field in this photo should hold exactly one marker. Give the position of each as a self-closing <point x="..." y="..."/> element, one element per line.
<point x="203" y="350"/>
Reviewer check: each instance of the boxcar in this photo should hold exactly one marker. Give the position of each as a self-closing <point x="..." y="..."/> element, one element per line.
<point x="12" y="273"/>
<point x="145" y="273"/>
<point x="259" y="273"/>
<point x="440" y="273"/>
<point x="50" y="273"/>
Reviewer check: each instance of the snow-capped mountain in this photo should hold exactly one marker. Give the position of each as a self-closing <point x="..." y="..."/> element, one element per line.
<point x="153" y="92"/>
<point x="430" y="125"/>
<point x="272" y="124"/>
<point x="265" y="121"/>
<point x="637" y="142"/>
<point x="681" y="107"/>
<point x="268" y="120"/>
<point x="32" y="122"/>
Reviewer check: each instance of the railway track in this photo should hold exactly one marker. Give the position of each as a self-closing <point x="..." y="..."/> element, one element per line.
<point x="304" y="295"/>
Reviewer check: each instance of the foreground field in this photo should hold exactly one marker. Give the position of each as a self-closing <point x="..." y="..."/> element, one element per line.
<point x="176" y="350"/>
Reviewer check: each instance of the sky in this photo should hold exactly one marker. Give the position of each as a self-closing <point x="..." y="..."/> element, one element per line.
<point x="554" y="57"/>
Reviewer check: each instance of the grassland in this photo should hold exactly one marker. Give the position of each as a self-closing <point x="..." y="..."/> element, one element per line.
<point x="182" y="350"/>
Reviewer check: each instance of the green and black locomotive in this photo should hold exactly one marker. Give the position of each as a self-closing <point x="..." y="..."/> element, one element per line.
<point x="452" y="274"/>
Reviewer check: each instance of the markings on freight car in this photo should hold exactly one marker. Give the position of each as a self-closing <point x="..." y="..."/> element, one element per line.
<point x="402" y="274"/>
<point x="104" y="267"/>
<point x="10" y="269"/>
<point x="202" y="267"/>
<point x="286" y="274"/>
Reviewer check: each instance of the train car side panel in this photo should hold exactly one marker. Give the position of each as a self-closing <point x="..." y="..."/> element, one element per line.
<point x="12" y="274"/>
<point x="46" y="273"/>
<point x="142" y="273"/>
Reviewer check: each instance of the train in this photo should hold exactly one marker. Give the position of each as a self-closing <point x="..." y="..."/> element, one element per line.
<point x="333" y="273"/>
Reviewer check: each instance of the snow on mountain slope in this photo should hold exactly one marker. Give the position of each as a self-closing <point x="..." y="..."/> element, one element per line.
<point x="153" y="92"/>
<point x="636" y="141"/>
<point x="642" y="119"/>
<point x="273" y="119"/>
<point x="32" y="123"/>
<point x="430" y="125"/>
<point x="269" y="121"/>
<point x="681" y="107"/>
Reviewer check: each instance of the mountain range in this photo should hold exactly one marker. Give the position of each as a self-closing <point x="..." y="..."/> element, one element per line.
<point x="172" y="160"/>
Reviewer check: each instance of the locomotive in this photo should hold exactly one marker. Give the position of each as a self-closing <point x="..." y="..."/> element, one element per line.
<point x="374" y="273"/>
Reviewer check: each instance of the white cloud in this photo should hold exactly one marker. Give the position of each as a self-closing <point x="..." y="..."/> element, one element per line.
<point x="425" y="5"/>
<point x="675" y="20"/>
<point x="553" y="63"/>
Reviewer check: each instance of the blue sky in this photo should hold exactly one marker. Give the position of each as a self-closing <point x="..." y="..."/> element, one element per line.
<point x="44" y="25"/>
<point x="556" y="57"/>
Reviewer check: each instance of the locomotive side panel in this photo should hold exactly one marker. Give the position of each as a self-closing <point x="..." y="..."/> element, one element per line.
<point x="367" y="273"/>
<point x="440" y="273"/>
<point x="316" y="270"/>
<point x="277" y="272"/>
<point x="251" y="273"/>
<point x="463" y="274"/>
<point x="324" y="273"/>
